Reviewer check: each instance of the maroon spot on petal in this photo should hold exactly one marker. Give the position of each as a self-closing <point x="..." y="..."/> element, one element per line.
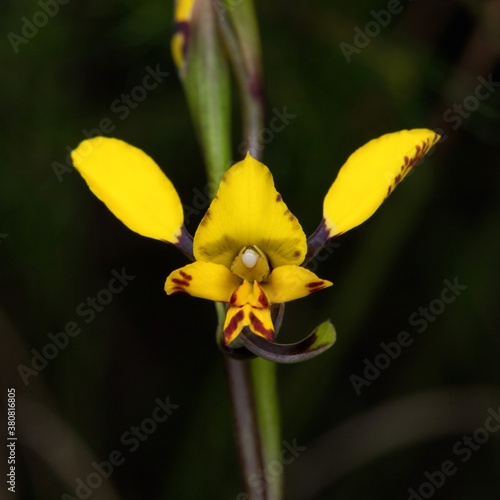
<point x="259" y="327"/>
<point x="315" y="285"/>
<point x="407" y="161"/>
<point x="263" y="300"/>
<point x="296" y="253"/>
<point x="178" y="289"/>
<point x="185" y="275"/>
<point x="183" y="283"/>
<point x="278" y="197"/>
<point x="234" y="298"/>
<point x="233" y="325"/>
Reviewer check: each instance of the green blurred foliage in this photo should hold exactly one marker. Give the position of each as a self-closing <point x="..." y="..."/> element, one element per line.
<point x="59" y="244"/>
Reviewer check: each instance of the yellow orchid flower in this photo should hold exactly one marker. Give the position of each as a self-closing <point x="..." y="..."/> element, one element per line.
<point x="249" y="250"/>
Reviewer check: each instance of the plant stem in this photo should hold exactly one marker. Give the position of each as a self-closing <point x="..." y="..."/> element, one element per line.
<point x="246" y="426"/>
<point x="268" y="418"/>
<point x="241" y="40"/>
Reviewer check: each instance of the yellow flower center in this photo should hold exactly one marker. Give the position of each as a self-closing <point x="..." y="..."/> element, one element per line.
<point x="251" y="264"/>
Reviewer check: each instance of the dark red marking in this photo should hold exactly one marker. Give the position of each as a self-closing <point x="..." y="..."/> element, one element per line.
<point x="185" y="275"/>
<point x="233" y="325"/>
<point x="296" y="253"/>
<point x="315" y="285"/>
<point x="278" y="197"/>
<point x="180" y="282"/>
<point x="233" y="298"/>
<point x="259" y="327"/>
<point x="178" y="289"/>
<point x="263" y="300"/>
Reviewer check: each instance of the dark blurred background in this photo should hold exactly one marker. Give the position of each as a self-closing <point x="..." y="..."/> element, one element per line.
<point x="348" y="72"/>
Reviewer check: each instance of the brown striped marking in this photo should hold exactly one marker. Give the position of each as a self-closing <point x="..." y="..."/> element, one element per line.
<point x="259" y="327"/>
<point x="233" y="325"/>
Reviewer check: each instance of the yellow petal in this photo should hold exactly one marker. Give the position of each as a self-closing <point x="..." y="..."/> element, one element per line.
<point x="370" y="174"/>
<point x="260" y="322"/>
<point x="249" y="307"/>
<point x="204" y="280"/>
<point x="235" y="321"/>
<point x="132" y="186"/>
<point x="248" y="211"/>
<point x="292" y="282"/>
<point x="183" y="9"/>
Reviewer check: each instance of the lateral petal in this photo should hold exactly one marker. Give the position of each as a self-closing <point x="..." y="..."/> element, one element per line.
<point x="249" y="211"/>
<point x="370" y="175"/>
<point x="204" y="280"/>
<point x="288" y="283"/>
<point x="132" y="186"/>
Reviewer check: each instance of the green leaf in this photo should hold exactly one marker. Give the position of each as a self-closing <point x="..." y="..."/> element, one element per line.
<point x="206" y="81"/>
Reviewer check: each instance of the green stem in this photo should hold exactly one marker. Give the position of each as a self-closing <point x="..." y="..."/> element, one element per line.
<point x="267" y="409"/>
